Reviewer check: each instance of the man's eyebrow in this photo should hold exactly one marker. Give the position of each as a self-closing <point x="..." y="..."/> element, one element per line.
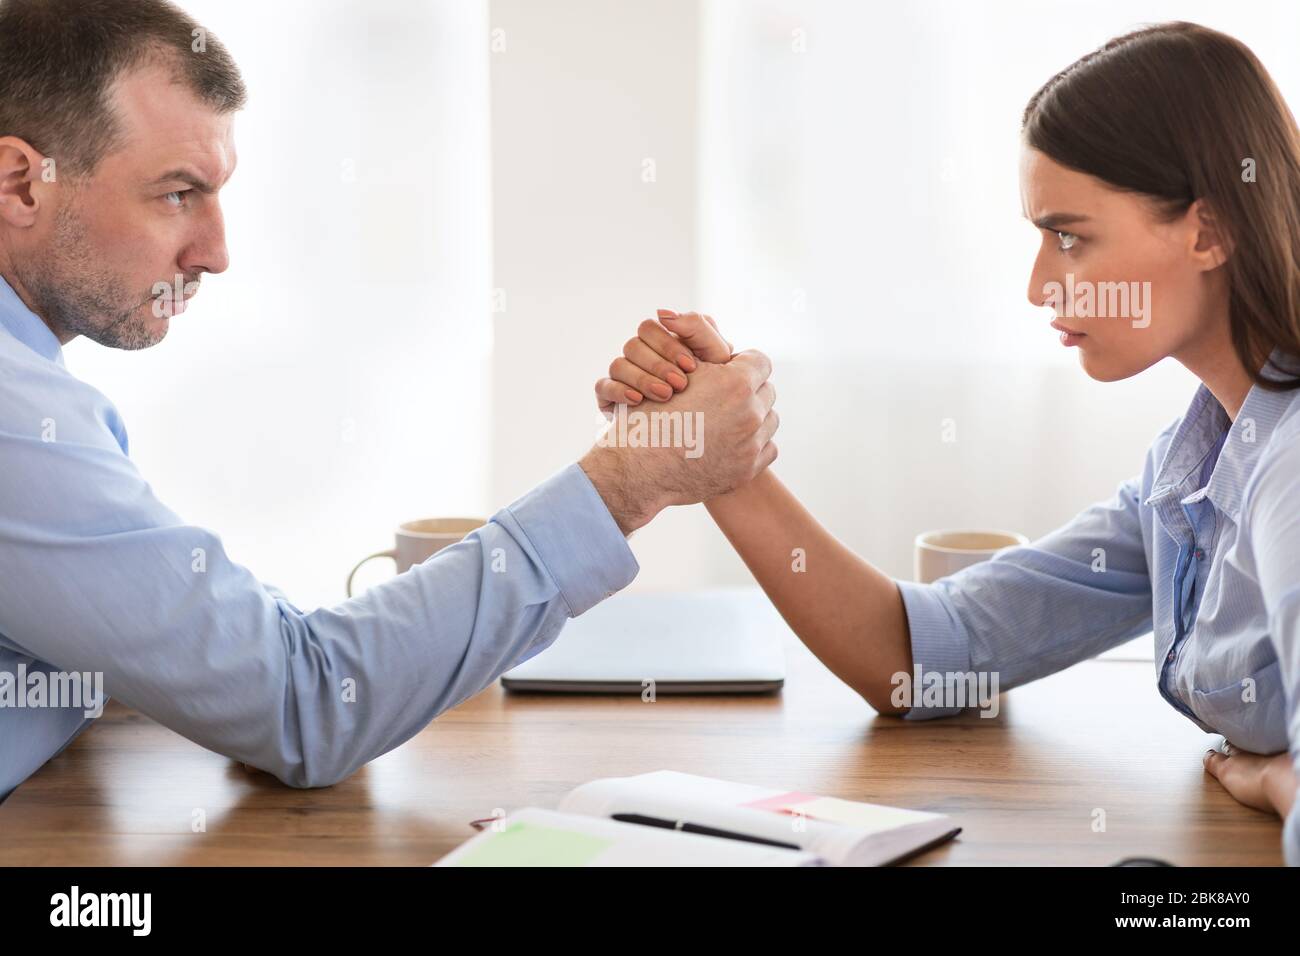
<point x="1055" y="220"/>
<point x="187" y="177"/>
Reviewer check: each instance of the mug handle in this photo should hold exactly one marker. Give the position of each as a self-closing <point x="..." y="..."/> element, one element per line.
<point x="390" y="553"/>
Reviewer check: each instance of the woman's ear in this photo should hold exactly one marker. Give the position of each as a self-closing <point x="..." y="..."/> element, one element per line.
<point x="1210" y="246"/>
<point x="20" y="167"/>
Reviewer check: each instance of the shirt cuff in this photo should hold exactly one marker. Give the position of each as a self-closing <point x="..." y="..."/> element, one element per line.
<point x="940" y="645"/>
<point x="576" y="538"/>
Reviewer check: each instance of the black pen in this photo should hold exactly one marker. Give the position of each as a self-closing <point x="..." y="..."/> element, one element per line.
<point x="702" y="830"/>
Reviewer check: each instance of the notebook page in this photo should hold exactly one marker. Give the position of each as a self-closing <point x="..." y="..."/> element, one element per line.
<point x="536" y="837"/>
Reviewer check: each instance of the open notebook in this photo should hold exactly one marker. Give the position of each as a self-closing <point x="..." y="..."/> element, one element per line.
<point x="668" y="818"/>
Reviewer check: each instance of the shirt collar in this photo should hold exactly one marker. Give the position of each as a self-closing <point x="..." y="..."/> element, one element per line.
<point x="26" y="326"/>
<point x="1201" y="432"/>
<point x="1250" y="433"/>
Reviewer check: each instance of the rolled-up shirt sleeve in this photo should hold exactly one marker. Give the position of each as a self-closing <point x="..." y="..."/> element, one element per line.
<point x="1033" y="610"/>
<point x="940" y="644"/>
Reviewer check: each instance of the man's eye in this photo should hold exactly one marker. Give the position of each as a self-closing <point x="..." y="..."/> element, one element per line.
<point x="177" y="198"/>
<point x="1065" y="241"/>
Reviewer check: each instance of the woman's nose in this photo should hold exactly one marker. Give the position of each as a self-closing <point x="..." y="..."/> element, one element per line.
<point x="1037" y="291"/>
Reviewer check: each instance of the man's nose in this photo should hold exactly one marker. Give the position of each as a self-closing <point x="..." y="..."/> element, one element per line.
<point x="207" y="251"/>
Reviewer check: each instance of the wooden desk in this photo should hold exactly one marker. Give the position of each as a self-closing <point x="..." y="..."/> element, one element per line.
<point x="1024" y="785"/>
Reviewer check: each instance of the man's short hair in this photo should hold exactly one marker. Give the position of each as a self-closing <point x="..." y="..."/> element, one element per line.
<point x="59" y="59"/>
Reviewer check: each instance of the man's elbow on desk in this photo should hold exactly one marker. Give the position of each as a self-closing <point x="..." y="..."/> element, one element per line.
<point x="300" y="778"/>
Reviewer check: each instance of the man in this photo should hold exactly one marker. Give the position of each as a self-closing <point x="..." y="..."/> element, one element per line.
<point x="116" y="138"/>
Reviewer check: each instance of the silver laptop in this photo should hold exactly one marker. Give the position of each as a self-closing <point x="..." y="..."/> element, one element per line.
<point x="695" y="642"/>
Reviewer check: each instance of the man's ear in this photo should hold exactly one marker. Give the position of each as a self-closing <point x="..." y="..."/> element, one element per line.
<point x="21" y="166"/>
<point x="1211" y="246"/>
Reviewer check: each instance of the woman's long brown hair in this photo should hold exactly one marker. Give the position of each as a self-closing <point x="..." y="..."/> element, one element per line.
<point x="1178" y="112"/>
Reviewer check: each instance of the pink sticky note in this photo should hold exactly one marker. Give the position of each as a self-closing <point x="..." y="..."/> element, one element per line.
<point x="781" y="801"/>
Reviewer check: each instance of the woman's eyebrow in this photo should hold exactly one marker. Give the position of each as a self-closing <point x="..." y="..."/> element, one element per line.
<point x="1055" y="220"/>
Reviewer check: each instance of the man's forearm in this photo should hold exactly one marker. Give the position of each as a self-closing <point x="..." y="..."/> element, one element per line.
<point x="848" y="613"/>
<point x="203" y="648"/>
<point x="630" y="497"/>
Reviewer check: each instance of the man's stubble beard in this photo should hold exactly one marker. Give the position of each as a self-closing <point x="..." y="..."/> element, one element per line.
<point x="76" y="297"/>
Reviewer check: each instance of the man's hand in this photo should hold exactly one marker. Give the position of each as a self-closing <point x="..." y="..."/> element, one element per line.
<point x="1265" y="783"/>
<point x="650" y="363"/>
<point x="729" y="413"/>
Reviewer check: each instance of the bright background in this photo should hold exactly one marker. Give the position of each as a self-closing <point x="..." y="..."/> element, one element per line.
<point x="441" y="232"/>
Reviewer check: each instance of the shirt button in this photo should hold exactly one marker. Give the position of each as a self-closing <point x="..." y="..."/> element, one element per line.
<point x="1170" y="657"/>
<point x="1200" y="555"/>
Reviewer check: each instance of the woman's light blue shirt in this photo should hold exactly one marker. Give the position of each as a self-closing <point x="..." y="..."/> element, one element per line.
<point x="1203" y="548"/>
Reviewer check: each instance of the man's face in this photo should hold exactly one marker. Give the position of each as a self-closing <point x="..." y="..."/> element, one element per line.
<point x="119" y="251"/>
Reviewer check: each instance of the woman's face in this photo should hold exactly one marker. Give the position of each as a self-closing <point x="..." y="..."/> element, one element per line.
<point x="1126" y="289"/>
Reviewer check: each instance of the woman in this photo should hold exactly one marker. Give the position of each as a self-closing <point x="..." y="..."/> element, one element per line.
<point x="1164" y="162"/>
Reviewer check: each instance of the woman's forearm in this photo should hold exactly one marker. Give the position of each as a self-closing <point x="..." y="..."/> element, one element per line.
<point x="1280" y="784"/>
<point x="848" y="613"/>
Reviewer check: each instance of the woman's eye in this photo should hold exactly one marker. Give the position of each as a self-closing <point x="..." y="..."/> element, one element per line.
<point x="1065" y="241"/>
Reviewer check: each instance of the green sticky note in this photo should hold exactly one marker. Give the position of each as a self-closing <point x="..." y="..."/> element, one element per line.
<point x="527" y="844"/>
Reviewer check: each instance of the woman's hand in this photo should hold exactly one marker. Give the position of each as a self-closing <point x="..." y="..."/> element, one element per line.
<point x="1265" y="783"/>
<point x="652" y="363"/>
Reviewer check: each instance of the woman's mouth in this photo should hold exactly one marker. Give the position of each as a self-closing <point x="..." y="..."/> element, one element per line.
<point x="1068" y="335"/>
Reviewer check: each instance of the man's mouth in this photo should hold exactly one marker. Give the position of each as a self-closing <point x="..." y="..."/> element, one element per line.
<point x="174" y="300"/>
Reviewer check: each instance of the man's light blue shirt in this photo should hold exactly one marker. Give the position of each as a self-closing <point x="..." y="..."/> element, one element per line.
<point x="1203" y="548"/>
<point x="97" y="575"/>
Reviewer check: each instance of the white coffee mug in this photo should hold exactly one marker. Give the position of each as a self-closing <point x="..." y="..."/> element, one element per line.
<point x="940" y="553"/>
<point x="417" y="541"/>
